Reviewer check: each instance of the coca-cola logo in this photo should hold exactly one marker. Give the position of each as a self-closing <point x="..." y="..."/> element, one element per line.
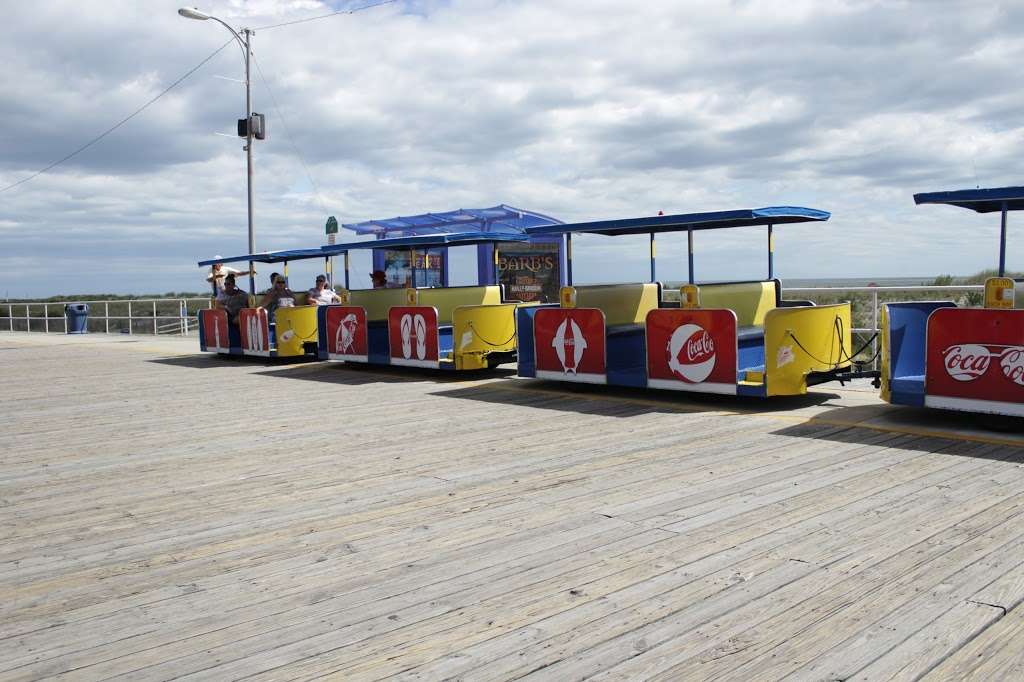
<point x="691" y="353"/>
<point x="969" y="361"/>
<point x="1012" y="364"/>
<point x="966" y="361"/>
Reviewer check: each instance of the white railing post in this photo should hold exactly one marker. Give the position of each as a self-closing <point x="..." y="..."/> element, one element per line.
<point x="130" y="330"/>
<point x="46" y="318"/>
<point x="28" y="319"/>
<point x="106" y="316"/>
<point x="155" y="330"/>
<point x="874" y="326"/>
<point x="10" y="316"/>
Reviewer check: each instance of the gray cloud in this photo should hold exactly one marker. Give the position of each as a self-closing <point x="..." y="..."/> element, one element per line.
<point x="612" y="111"/>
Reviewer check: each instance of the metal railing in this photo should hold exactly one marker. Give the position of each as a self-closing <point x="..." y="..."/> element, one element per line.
<point x="888" y="294"/>
<point x="157" y="316"/>
<point x="175" y="315"/>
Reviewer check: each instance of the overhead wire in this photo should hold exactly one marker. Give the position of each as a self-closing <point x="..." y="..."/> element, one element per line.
<point x="351" y="10"/>
<point x="108" y="131"/>
<point x="119" y="123"/>
<point x="288" y="135"/>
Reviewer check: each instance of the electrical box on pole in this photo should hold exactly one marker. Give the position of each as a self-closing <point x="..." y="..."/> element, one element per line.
<point x="259" y="127"/>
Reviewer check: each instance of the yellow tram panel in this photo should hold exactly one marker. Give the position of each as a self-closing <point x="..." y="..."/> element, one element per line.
<point x="295" y="327"/>
<point x="479" y="330"/>
<point x="805" y="339"/>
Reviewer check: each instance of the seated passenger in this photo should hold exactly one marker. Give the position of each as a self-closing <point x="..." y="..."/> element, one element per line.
<point x="380" y="279"/>
<point x="232" y="299"/>
<point x="276" y="295"/>
<point x="320" y="294"/>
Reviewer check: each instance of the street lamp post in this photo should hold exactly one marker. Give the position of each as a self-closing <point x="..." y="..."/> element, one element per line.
<point x="245" y="44"/>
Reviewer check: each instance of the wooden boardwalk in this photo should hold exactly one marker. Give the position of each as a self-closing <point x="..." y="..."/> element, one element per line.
<point x="170" y="515"/>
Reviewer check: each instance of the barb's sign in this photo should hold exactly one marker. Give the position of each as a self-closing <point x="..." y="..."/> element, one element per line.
<point x="570" y="344"/>
<point x="976" y="355"/>
<point x="347" y="333"/>
<point x="692" y="350"/>
<point x="255" y="331"/>
<point x="412" y="335"/>
<point x="215" y="331"/>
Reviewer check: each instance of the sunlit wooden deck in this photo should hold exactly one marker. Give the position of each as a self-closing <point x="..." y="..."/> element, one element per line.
<point x="166" y="514"/>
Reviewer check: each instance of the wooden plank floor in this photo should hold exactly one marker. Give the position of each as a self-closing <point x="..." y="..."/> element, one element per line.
<point x="169" y="515"/>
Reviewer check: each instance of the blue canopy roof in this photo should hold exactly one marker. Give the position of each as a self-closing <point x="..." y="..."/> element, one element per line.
<point x="268" y="257"/>
<point x="426" y="241"/>
<point x="500" y="218"/>
<point x="772" y="215"/>
<point x="979" y="200"/>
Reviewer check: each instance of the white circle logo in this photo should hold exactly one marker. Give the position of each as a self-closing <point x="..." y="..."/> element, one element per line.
<point x="691" y="353"/>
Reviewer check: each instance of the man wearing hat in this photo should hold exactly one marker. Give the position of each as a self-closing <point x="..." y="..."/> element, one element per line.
<point x="320" y="294"/>
<point x="218" y="271"/>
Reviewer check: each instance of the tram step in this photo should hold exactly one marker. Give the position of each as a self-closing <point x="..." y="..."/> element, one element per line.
<point x="751" y="377"/>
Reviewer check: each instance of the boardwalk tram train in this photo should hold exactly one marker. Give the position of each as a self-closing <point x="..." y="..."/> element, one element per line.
<point x="936" y="354"/>
<point x="459" y="328"/>
<point x="292" y="332"/>
<point x="736" y="338"/>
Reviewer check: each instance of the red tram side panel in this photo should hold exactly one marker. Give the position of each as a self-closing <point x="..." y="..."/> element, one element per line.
<point x="975" y="360"/>
<point x="347" y="334"/>
<point x="569" y="344"/>
<point x="412" y="336"/>
<point x="692" y="350"/>
<point x="254" y="328"/>
<point x="215" y="331"/>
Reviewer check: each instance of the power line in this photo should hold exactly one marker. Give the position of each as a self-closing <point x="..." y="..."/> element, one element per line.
<point x="351" y="10"/>
<point x="119" y="123"/>
<point x="288" y="134"/>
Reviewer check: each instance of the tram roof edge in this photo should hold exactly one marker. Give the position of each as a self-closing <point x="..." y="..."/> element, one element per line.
<point x="268" y="257"/>
<point x="769" y="215"/>
<point x="988" y="200"/>
<point x="427" y="240"/>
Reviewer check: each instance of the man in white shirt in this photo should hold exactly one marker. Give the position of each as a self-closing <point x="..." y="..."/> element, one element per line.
<point x="321" y="294"/>
<point x="219" y="271"/>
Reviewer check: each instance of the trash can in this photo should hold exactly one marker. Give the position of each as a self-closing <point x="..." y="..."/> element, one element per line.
<point x="77" y="316"/>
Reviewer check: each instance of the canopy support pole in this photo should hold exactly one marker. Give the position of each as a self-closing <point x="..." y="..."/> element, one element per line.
<point x="412" y="264"/>
<point x="1002" y="243"/>
<point x="771" y="253"/>
<point x="568" y="257"/>
<point x="327" y="271"/>
<point x="252" y="281"/>
<point x="497" y="270"/>
<point x="689" y="241"/>
<point x="286" y="273"/>
<point x="346" y="269"/>
<point x="654" y="276"/>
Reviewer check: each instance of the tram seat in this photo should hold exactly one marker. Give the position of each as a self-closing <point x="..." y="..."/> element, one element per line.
<point x="377" y="302"/>
<point x="625" y="308"/>
<point x="751" y="301"/>
<point x="623" y="305"/>
<point x="447" y="299"/>
<point x="907" y="325"/>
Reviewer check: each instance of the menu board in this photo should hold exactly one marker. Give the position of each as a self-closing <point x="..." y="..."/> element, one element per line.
<point x="530" y="272"/>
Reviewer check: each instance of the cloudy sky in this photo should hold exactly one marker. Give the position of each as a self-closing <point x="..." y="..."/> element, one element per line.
<point x="582" y="111"/>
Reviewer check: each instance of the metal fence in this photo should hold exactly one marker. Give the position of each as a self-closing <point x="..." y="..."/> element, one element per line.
<point x="176" y="316"/>
<point x="867" y="302"/>
<point x="156" y="316"/>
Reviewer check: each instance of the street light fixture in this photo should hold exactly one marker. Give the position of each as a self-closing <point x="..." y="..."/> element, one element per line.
<point x="245" y="44"/>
